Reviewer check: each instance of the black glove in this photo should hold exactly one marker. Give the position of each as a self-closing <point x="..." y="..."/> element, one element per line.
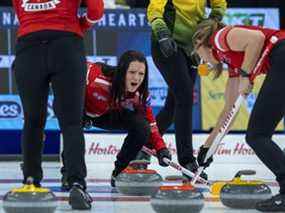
<point x="201" y="157"/>
<point x="166" y="43"/>
<point x="163" y="153"/>
<point x="216" y="15"/>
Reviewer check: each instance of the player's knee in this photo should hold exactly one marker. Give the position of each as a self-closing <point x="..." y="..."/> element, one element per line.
<point x="142" y="130"/>
<point x="69" y="122"/>
<point x="251" y="138"/>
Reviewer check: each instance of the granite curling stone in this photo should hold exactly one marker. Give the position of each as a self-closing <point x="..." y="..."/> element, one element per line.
<point x="29" y="199"/>
<point x="177" y="199"/>
<point x="244" y="194"/>
<point x="138" y="182"/>
<point x="139" y="164"/>
<point x="177" y="178"/>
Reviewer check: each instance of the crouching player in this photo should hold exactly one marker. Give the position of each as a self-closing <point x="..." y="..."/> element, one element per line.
<point x="117" y="99"/>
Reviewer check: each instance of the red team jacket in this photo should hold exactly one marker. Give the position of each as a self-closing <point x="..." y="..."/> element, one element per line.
<point x="234" y="59"/>
<point x="37" y="15"/>
<point x="98" y="101"/>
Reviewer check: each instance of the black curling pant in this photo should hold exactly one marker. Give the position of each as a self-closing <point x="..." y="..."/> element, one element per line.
<point x="138" y="133"/>
<point x="56" y="58"/>
<point x="268" y="111"/>
<point x="180" y="77"/>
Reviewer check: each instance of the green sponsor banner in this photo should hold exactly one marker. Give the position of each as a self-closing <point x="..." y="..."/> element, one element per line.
<point x="253" y="16"/>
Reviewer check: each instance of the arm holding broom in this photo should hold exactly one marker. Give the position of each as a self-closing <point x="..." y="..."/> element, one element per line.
<point x="232" y="104"/>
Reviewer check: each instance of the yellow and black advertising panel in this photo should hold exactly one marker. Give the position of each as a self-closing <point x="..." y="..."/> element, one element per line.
<point x="212" y="102"/>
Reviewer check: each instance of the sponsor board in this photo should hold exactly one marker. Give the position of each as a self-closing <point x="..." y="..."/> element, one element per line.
<point x="10" y="109"/>
<point x="267" y="17"/>
<point x="119" y="18"/>
<point x="6" y="61"/>
<point x="11" y="113"/>
<point x="232" y="150"/>
<point x="232" y="155"/>
<point x="136" y="19"/>
<point x="212" y="102"/>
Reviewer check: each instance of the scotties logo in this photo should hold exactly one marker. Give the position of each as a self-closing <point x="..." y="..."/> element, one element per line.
<point x="39" y="5"/>
<point x="10" y="109"/>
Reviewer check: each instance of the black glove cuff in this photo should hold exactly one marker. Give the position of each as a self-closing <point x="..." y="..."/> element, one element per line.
<point x="164" y="152"/>
<point x="204" y="148"/>
<point x="243" y="73"/>
<point x="163" y="34"/>
<point x="216" y="16"/>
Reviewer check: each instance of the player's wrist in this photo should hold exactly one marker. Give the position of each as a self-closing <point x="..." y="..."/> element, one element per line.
<point x="244" y="73"/>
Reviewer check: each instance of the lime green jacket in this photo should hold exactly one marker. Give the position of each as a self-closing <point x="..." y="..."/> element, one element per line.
<point x="182" y="17"/>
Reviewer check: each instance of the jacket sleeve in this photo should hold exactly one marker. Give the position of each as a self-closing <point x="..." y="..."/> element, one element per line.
<point x="218" y="9"/>
<point x="232" y="72"/>
<point x="155" y="9"/>
<point x="155" y="139"/>
<point x="95" y="10"/>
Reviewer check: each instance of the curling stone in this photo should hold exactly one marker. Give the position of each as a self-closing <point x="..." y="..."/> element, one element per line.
<point x="244" y="194"/>
<point x="216" y="188"/>
<point x="29" y="199"/>
<point x="177" y="199"/>
<point x="138" y="182"/>
<point x="138" y="164"/>
<point x="177" y="178"/>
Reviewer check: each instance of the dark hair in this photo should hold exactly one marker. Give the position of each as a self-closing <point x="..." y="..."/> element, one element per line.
<point x="107" y="70"/>
<point x="202" y="37"/>
<point x="119" y="78"/>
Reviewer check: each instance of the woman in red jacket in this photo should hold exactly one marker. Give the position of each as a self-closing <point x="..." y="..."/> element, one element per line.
<point x="50" y="50"/>
<point x="117" y="99"/>
<point x="248" y="52"/>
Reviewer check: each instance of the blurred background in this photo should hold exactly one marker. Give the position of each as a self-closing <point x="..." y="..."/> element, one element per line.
<point x="124" y="26"/>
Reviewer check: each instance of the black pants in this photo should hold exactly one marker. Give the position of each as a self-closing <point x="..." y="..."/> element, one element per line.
<point x="268" y="111"/>
<point x="180" y="77"/>
<point x="138" y="135"/>
<point x="56" y="58"/>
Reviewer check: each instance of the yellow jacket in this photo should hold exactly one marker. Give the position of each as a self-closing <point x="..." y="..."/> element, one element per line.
<point x="182" y="17"/>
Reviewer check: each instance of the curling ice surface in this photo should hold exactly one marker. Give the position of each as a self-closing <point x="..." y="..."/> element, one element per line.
<point x="107" y="200"/>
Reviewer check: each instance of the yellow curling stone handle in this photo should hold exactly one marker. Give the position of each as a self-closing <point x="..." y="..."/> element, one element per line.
<point x="30" y="188"/>
<point x="217" y="186"/>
